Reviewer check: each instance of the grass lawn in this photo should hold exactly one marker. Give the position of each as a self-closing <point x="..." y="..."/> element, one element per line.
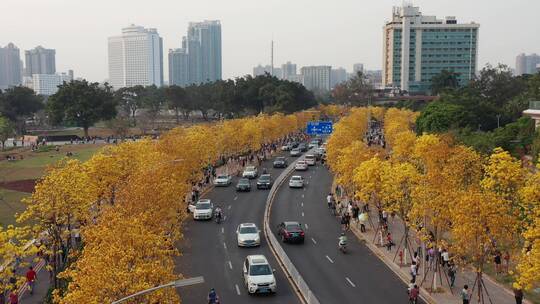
<point x="10" y="204"/>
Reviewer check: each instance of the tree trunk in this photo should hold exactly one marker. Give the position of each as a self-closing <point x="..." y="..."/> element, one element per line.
<point x="177" y="112"/>
<point x="85" y="131"/>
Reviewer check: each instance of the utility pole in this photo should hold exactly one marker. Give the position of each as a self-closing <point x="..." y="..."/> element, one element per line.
<point x="272" y="58"/>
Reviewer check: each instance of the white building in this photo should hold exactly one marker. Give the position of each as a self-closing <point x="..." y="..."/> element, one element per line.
<point x="136" y="58"/>
<point x="47" y="84"/>
<point x="316" y="78"/>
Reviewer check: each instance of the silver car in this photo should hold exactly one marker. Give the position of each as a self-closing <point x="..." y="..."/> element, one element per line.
<point x="248" y="235"/>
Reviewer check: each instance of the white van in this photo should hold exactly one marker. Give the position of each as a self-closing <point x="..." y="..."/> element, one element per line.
<point x="310" y="159"/>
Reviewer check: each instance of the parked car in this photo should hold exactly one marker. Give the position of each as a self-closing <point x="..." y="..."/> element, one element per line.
<point x="258" y="275"/>
<point x="222" y="180"/>
<point x="280" y="162"/>
<point x="243" y="185"/>
<point x="191" y="206"/>
<point x="250" y="172"/>
<point x="310" y="159"/>
<point x="264" y="182"/>
<point x="248" y="235"/>
<point x="296" y="152"/>
<point x="291" y="232"/>
<point x="296" y="181"/>
<point x="204" y="210"/>
<point x="301" y="165"/>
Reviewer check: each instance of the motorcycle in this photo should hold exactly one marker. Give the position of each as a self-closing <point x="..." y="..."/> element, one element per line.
<point x="342" y="246"/>
<point x="219" y="216"/>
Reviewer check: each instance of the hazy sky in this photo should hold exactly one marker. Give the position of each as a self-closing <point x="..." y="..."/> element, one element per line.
<point x="306" y="32"/>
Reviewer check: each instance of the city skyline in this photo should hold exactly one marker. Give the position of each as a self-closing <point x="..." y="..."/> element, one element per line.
<point x="246" y="37"/>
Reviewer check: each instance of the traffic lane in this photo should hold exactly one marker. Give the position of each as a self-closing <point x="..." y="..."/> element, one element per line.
<point x="338" y="277"/>
<point x="211" y="250"/>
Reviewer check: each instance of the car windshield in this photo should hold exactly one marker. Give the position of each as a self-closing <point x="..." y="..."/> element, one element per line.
<point x="310" y="156"/>
<point x="222" y="177"/>
<point x="250" y="168"/>
<point x="264" y="178"/>
<point x="244" y="230"/>
<point x="292" y="227"/>
<point x="296" y="178"/>
<point x="256" y="270"/>
<point x="243" y="181"/>
<point x="202" y="206"/>
<point x="280" y="159"/>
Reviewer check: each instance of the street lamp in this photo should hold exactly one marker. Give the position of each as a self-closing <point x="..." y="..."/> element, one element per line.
<point x="177" y="283"/>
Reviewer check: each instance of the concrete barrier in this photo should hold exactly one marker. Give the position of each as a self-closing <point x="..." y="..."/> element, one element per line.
<point x="294" y="276"/>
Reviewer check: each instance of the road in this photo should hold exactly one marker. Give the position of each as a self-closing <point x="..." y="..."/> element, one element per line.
<point x="210" y="249"/>
<point x="334" y="277"/>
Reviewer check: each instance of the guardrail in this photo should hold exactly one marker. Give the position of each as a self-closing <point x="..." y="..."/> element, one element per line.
<point x="293" y="274"/>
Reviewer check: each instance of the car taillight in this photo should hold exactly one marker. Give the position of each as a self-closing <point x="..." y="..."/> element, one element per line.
<point x="302" y="233"/>
<point x="288" y="233"/>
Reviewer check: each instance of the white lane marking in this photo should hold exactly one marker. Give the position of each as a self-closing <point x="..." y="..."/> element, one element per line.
<point x="329" y="259"/>
<point x="307" y="183"/>
<point x="310" y="176"/>
<point x="302" y="204"/>
<point x="313" y="240"/>
<point x="302" y="195"/>
<point x="222" y="230"/>
<point x="304" y="189"/>
<point x="224" y="245"/>
<point x="302" y="214"/>
<point x="350" y="282"/>
<point x="229" y="207"/>
<point x="230" y="265"/>
<point x="236" y="197"/>
<point x="237" y="289"/>
<point x="307" y="227"/>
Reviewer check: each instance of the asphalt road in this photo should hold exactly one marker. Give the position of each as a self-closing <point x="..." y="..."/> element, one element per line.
<point x="210" y="249"/>
<point x="334" y="277"/>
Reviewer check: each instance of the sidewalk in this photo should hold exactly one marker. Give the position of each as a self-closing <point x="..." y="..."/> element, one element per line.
<point x="499" y="294"/>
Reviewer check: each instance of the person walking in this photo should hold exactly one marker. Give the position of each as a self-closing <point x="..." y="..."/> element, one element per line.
<point x="498" y="262"/>
<point x="465" y="294"/>
<point x="413" y="272"/>
<point x="389" y="242"/>
<point x="31" y="279"/>
<point x="413" y="294"/>
<point x="13" y="297"/>
<point x="445" y="257"/>
<point x="452" y="274"/>
<point x="518" y="294"/>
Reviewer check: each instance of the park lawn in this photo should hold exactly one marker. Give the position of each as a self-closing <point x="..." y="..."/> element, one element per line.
<point x="10" y="205"/>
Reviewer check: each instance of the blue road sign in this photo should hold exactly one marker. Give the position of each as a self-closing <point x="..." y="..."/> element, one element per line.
<point x="319" y="127"/>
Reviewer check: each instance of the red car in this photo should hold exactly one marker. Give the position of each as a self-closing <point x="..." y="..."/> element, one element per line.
<point x="291" y="232"/>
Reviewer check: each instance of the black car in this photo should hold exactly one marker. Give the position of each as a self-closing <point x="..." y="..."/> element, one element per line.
<point x="280" y="162"/>
<point x="264" y="182"/>
<point x="303" y="147"/>
<point x="291" y="232"/>
<point x="243" y="185"/>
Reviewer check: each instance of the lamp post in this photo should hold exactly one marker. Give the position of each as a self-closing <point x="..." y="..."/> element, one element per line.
<point x="177" y="283"/>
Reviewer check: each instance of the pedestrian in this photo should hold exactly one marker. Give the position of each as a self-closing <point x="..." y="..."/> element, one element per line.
<point x="13" y="297"/>
<point x="343" y="222"/>
<point x="31" y="277"/>
<point x="362" y="217"/>
<point x="413" y="272"/>
<point x="413" y="294"/>
<point x="497" y="260"/>
<point x="452" y="274"/>
<point x="389" y="242"/>
<point x="518" y="294"/>
<point x="465" y="294"/>
<point x="385" y="216"/>
<point x="445" y="257"/>
<point x="506" y="258"/>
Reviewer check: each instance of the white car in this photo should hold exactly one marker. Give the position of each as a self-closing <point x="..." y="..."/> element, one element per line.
<point x="296" y="181"/>
<point x="250" y="172"/>
<point x="301" y="166"/>
<point x="258" y="275"/>
<point x="296" y="152"/>
<point x="191" y="205"/>
<point x="313" y="144"/>
<point x="310" y="159"/>
<point x="204" y="210"/>
<point x="222" y="180"/>
<point x="248" y="235"/>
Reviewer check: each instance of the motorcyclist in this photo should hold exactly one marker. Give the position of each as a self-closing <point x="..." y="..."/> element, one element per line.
<point x="212" y="297"/>
<point x="219" y="214"/>
<point x="342" y="240"/>
<point x="264" y="171"/>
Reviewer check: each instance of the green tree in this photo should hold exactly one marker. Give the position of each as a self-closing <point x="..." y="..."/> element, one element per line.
<point x="18" y="104"/>
<point x="130" y="100"/>
<point x="356" y="91"/>
<point x="446" y="80"/>
<point x="6" y="130"/>
<point x="82" y="103"/>
<point x="439" y="117"/>
<point x="177" y="100"/>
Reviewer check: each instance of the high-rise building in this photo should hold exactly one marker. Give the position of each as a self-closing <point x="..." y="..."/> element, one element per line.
<point x="136" y="58"/>
<point x="178" y="67"/>
<point x="288" y="69"/>
<point x="526" y="64"/>
<point x="418" y="47"/>
<point x="47" y="84"/>
<point x="40" y="61"/>
<point x="337" y="76"/>
<point x="10" y="66"/>
<point x="203" y="44"/>
<point x="316" y="78"/>
<point x="261" y="70"/>
<point x="358" y="67"/>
